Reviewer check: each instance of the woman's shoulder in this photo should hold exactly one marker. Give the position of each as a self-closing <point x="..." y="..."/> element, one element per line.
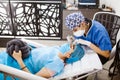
<point x="44" y="52"/>
<point x="3" y="57"/>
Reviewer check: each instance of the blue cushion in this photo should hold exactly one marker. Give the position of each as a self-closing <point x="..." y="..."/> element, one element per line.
<point x="77" y="54"/>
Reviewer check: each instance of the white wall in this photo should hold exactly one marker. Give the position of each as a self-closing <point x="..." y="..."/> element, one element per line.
<point x="115" y="4"/>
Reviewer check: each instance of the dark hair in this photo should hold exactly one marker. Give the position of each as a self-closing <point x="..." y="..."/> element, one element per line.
<point x="88" y="21"/>
<point x="17" y="44"/>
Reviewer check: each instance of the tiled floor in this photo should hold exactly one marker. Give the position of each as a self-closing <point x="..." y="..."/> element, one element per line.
<point x="102" y="75"/>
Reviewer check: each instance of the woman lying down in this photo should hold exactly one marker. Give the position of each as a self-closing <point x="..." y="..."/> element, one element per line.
<point x="43" y="61"/>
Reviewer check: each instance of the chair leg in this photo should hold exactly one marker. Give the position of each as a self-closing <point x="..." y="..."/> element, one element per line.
<point x="96" y="78"/>
<point x="113" y="72"/>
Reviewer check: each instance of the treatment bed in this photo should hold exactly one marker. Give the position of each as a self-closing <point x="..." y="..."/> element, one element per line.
<point x="89" y="64"/>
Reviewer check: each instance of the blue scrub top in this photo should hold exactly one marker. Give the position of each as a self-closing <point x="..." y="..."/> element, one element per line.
<point x="98" y="35"/>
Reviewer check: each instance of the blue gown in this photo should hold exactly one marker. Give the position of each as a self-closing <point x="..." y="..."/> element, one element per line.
<point x="39" y="58"/>
<point x="44" y="57"/>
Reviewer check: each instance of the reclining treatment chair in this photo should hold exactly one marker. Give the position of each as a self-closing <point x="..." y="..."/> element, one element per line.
<point x="88" y="65"/>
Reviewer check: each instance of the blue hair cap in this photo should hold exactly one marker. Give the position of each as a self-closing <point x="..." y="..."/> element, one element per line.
<point x="74" y="20"/>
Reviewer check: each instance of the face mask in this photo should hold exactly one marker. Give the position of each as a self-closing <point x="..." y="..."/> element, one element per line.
<point x="79" y="33"/>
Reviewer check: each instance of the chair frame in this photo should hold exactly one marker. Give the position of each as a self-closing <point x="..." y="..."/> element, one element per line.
<point x="13" y="72"/>
<point x="110" y="21"/>
<point x="116" y="62"/>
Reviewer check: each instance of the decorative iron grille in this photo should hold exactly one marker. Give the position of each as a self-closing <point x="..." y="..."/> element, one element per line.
<point x="31" y="18"/>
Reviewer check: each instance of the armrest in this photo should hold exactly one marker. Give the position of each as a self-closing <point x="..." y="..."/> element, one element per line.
<point x="112" y="53"/>
<point x="20" y="74"/>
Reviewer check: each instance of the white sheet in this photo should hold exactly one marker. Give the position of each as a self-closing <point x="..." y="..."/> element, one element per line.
<point x="88" y="63"/>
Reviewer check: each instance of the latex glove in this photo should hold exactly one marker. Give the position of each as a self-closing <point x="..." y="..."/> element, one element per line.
<point x="70" y="39"/>
<point x="84" y="42"/>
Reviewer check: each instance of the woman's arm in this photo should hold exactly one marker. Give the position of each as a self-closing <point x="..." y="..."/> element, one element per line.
<point x="18" y="57"/>
<point x="105" y="53"/>
<point x="44" y="72"/>
<point x="99" y="51"/>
